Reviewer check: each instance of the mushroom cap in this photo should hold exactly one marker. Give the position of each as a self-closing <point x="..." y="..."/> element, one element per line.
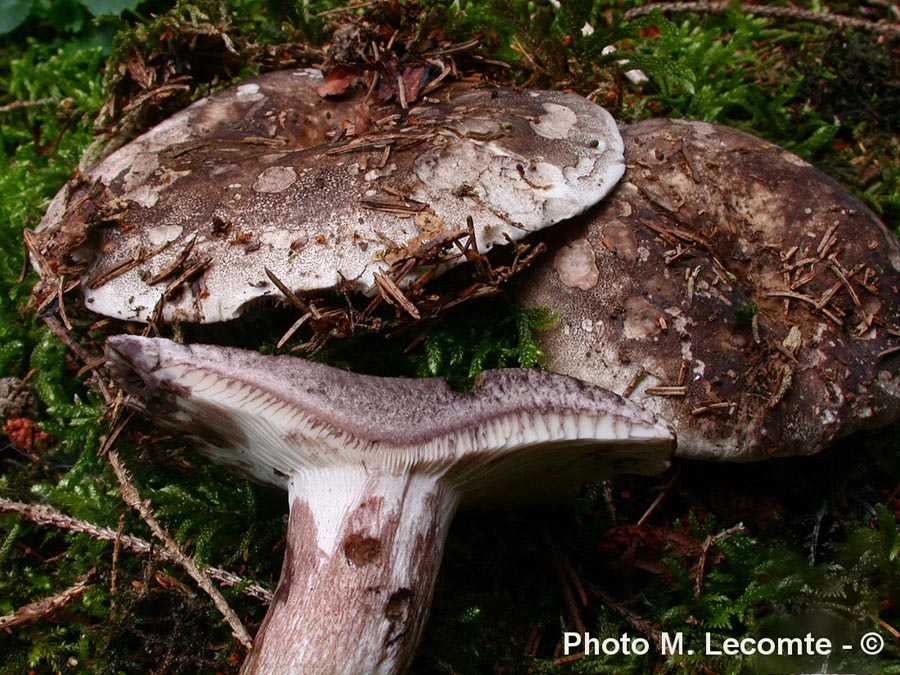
<point x="520" y="433"/>
<point x="184" y="222"/>
<point x="732" y="289"/>
<point x="278" y="105"/>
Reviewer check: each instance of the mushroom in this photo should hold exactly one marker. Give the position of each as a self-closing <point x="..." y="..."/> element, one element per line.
<point x="732" y="289"/>
<point x="266" y="190"/>
<point x="375" y="468"/>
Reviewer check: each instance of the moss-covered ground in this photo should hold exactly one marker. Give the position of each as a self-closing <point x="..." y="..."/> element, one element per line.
<point x="729" y="550"/>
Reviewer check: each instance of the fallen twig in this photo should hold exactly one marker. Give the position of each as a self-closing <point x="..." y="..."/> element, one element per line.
<point x="113" y="575"/>
<point x="50" y="517"/>
<point x="791" y="13"/>
<point x="292" y="297"/>
<point x="568" y="579"/>
<point x="659" y="498"/>
<point x="704" y="554"/>
<point x="133" y="499"/>
<point x="887" y="352"/>
<point x="637" y="622"/>
<point x="40" y="609"/>
<point x="19" y="105"/>
<point x="75" y="347"/>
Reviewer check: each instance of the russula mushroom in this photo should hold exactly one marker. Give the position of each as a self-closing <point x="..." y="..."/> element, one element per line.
<point x="375" y="468"/>
<point x="192" y="220"/>
<point x="732" y="289"/>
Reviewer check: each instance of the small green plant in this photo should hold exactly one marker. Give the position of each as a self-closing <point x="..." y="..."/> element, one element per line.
<point x="579" y="27"/>
<point x="459" y="350"/>
<point x="743" y="315"/>
<point x="574" y="43"/>
<point x="725" y="59"/>
<point x="63" y="16"/>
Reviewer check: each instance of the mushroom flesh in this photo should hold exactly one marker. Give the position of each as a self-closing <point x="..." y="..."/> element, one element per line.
<point x="375" y="469"/>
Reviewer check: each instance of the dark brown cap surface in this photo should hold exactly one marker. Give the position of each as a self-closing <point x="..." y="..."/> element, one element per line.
<point x="733" y="289"/>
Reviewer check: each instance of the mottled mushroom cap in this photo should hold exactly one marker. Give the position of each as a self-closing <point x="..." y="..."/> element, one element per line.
<point x="732" y="289"/>
<point x="183" y="223"/>
<point x="519" y="435"/>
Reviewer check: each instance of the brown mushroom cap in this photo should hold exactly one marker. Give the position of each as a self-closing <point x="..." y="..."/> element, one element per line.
<point x="184" y="222"/>
<point x="279" y="105"/>
<point x="734" y="290"/>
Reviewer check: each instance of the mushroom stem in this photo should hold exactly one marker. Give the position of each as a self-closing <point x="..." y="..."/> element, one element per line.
<point x="363" y="550"/>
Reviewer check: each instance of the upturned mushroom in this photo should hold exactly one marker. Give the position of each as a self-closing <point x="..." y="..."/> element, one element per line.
<point x="732" y="289"/>
<point x="265" y="190"/>
<point x="375" y="469"/>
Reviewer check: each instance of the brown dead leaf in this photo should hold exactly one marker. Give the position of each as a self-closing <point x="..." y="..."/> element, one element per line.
<point x="389" y="82"/>
<point x="645" y="547"/>
<point x="414" y="80"/>
<point x="362" y="120"/>
<point x="338" y="81"/>
<point x="139" y="72"/>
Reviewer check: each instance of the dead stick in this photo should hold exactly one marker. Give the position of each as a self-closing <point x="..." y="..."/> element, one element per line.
<point x="292" y="297"/>
<point x="47" y="516"/>
<point x="790" y="13"/>
<point x="704" y="554"/>
<point x="83" y="354"/>
<point x="659" y="498"/>
<point x="701" y="565"/>
<point x="117" y="547"/>
<point x="133" y="499"/>
<point x="887" y="352"/>
<point x="635" y="621"/>
<point x="43" y="608"/>
<point x="18" y="105"/>
<point x="564" y="582"/>
<point x="117" y="427"/>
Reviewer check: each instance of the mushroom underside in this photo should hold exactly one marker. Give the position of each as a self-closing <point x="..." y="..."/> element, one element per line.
<point x="375" y="469"/>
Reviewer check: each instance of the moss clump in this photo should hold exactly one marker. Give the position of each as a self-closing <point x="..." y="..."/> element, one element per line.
<point x="770" y="544"/>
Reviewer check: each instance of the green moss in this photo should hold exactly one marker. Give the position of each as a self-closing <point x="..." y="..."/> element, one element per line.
<point x="466" y="345"/>
<point x="743" y="315"/>
<point x="824" y="545"/>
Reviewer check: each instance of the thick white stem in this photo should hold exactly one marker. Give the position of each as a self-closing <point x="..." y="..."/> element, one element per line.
<point x="363" y="550"/>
